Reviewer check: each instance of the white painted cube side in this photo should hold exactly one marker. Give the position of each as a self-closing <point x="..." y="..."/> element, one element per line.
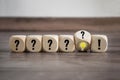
<point x="50" y="43"/>
<point x="34" y="43"/>
<point x="66" y="43"/>
<point x="99" y="43"/>
<point x="17" y="43"/>
<point x="82" y="35"/>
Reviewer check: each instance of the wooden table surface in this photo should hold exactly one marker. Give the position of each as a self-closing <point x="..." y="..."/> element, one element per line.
<point x="60" y="66"/>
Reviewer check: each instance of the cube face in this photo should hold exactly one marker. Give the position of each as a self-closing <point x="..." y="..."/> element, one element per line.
<point x="34" y="43"/>
<point x="50" y="43"/>
<point x="66" y="43"/>
<point x="84" y="37"/>
<point x="83" y="46"/>
<point x="99" y="43"/>
<point x="17" y="43"/>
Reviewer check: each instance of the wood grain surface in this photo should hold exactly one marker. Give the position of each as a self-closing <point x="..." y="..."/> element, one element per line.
<point x="60" y="24"/>
<point x="60" y="66"/>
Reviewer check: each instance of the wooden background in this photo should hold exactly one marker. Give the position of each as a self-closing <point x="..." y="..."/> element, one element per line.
<point x="60" y="24"/>
<point x="59" y="65"/>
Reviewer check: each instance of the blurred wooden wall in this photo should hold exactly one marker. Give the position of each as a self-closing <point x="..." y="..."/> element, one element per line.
<point x="59" y="24"/>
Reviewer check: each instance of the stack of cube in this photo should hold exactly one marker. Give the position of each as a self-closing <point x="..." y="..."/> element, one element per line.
<point x="81" y="41"/>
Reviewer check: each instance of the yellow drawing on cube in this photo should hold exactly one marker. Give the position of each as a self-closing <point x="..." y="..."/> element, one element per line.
<point x="83" y="45"/>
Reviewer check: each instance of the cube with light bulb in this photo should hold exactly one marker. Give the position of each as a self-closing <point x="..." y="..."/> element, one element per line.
<point x="82" y="40"/>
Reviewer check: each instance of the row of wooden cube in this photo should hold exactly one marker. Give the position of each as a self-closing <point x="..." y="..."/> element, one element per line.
<point x="64" y="43"/>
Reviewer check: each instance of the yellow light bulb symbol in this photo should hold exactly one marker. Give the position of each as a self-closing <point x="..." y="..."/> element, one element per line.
<point x="83" y="45"/>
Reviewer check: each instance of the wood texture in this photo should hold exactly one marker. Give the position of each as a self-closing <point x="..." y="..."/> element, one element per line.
<point x="60" y="66"/>
<point x="60" y="24"/>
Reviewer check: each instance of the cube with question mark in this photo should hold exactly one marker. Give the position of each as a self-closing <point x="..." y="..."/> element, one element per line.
<point x="82" y="40"/>
<point x="34" y="43"/>
<point x="50" y="43"/>
<point x="17" y="43"/>
<point x="66" y="43"/>
<point x="99" y="43"/>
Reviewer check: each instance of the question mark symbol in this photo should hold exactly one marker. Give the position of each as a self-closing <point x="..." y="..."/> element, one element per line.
<point x="17" y="43"/>
<point x="33" y="43"/>
<point x="82" y="32"/>
<point x="50" y="42"/>
<point x="99" y="41"/>
<point x="66" y="42"/>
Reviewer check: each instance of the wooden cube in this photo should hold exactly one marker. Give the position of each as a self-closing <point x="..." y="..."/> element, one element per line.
<point x="50" y="43"/>
<point x="34" y="43"/>
<point x="17" y="43"/>
<point x="99" y="43"/>
<point x="82" y="40"/>
<point x="66" y="43"/>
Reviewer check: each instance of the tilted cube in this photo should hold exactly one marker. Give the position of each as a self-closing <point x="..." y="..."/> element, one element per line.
<point x="82" y="40"/>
